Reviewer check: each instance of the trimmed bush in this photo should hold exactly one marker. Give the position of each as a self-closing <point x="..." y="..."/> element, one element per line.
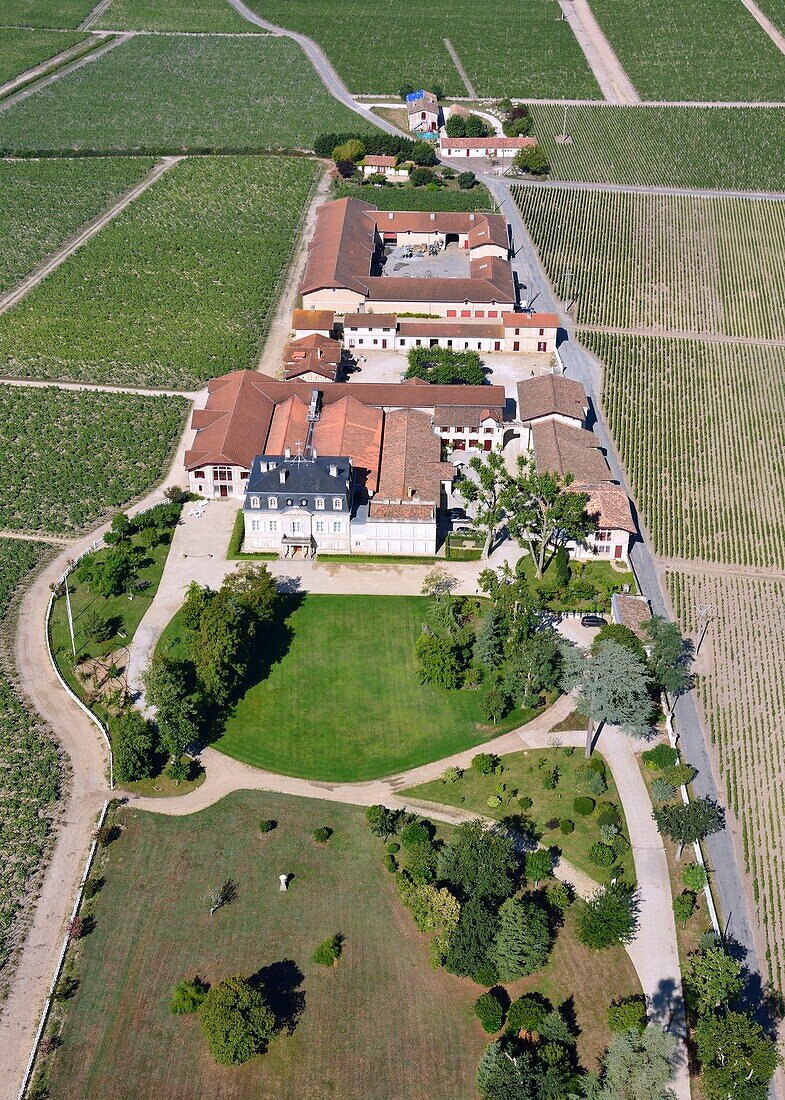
<point x="329" y="952"/>
<point x="489" y="1011"/>
<point x="567" y="826"/>
<point x="393" y="847"/>
<point x="679" y="775"/>
<point x="485" y="763"/>
<point x="584" y="805"/>
<point x="266" y="825"/>
<point x="602" y="855"/>
<point x="322" y="835"/>
<point x="661" y="756"/>
<point x="390" y="864"/>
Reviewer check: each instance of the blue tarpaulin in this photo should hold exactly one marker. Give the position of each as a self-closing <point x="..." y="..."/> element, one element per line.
<point x="415" y="95"/>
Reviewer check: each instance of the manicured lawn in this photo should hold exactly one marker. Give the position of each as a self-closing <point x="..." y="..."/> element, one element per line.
<point x="381" y="1024"/>
<point x="601" y="574"/>
<point x="334" y="694"/>
<point x="523" y="771"/>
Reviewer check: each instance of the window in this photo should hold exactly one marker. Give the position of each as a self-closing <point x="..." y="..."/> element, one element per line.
<point x="479" y="313"/>
<point x="297" y="526"/>
<point x="541" y="345"/>
<point x="222" y="473"/>
<point x="337" y="504"/>
<point x="320" y="527"/>
<point x="337" y="527"/>
<point x="245" y="474"/>
<point x="304" y="502"/>
<point x="488" y="431"/>
<point x="255" y="502"/>
<point x="199" y="474"/>
<point x="493" y="313"/>
<point x="273" y="526"/>
<point x="542" y="332"/>
<point x="272" y="502"/>
<point x="375" y="341"/>
<point x="256" y="525"/>
<point x="320" y="502"/>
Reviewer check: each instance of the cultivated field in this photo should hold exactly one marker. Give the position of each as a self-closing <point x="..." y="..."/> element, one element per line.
<point x="419" y="198"/>
<point x="175" y="290"/>
<point x="334" y="694"/>
<point x="156" y="93"/>
<point x="735" y="148"/>
<point x="22" y="49"/>
<point x="377" y="46"/>
<point x="66" y="457"/>
<point x="707" y="50"/>
<point x="29" y="766"/>
<point x="383" y="1023"/>
<point x="775" y="10"/>
<point x="700" y="427"/>
<point x="45" y="13"/>
<point x="174" y="15"/>
<point x="663" y="262"/>
<point x="743" y="697"/>
<point x="43" y="203"/>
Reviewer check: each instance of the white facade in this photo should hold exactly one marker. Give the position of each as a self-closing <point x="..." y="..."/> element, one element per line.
<point x="389" y="171"/>
<point x="219" y="481"/>
<point x="611" y="545"/>
<point x="382" y="536"/>
<point x="486" y="435"/>
<point x="267" y="530"/>
<point x="378" y="337"/>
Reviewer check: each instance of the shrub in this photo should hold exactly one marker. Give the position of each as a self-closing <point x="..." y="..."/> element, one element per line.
<point x="527" y="1014"/>
<point x="322" y="834"/>
<point x="489" y="1011"/>
<point x="525" y="802"/>
<point x="485" y="763"/>
<point x="493" y="800"/>
<point x="451" y="775"/>
<point x="178" y="769"/>
<point x="92" y="887"/>
<point x="560" y="895"/>
<point x="602" y="855"/>
<point x="630" y="1012"/>
<point x="608" y="814"/>
<point x="236" y="1020"/>
<point x="679" y="775"/>
<point x="539" y="864"/>
<point x="596" y="783"/>
<point x="684" y="906"/>
<point x="550" y="779"/>
<point x="467" y="180"/>
<point x="486" y="973"/>
<point x="661" y="756"/>
<point x="393" y="847"/>
<point x="266" y="825"/>
<point x="661" y="790"/>
<point x="608" y="833"/>
<point x="584" y="805"/>
<point x="329" y="952"/>
<point x="415" y="833"/>
<point x="533" y="160"/>
<point x="187" y="995"/>
<point x="390" y="864"/>
<point x="694" y="876"/>
<point x="567" y="826"/>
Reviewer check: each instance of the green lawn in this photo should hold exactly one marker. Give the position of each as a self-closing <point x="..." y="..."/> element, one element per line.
<point x="601" y="574"/>
<point x="334" y="695"/>
<point x="381" y="1024"/>
<point x="21" y="50"/>
<point x="158" y="93"/>
<point x="523" y="771"/>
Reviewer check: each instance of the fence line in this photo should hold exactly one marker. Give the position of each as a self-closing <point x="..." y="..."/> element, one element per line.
<point x="60" y="960"/>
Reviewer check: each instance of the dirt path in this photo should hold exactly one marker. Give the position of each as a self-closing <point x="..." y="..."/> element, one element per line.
<point x="271" y="360"/>
<point x="97" y="387"/>
<point x="766" y="25"/>
<point x="94" y="15"/>
<point x="614" y="83"/>
<point x="451" y="50"/>
<point x="55" y="259"/>
<point x="45" y="66"/>
<point x="37" y="538"/>
<point x="37" y="85"/>
<point x="684" y="334"/>
<point x="651" y="189"/>
<point x="700" y="567"/>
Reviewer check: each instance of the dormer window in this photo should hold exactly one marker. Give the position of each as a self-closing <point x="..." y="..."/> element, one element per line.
<point x="272" y="502"/>
<point x="320" y="502"/>
<point x="254" y="502"/>
<point x="337" y="504"/>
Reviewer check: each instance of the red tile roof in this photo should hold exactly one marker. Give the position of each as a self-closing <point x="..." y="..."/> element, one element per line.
<point x="233" y="426"/>
<point x="313" y="319"/>
<point x="342" y="247"/>
<point x="485" y="330"/>
<point x="369" y="320"/>
<point x="412" y="468"/>
<point x="464" y="416"/>
<point x="565" y="450"/>
<point x="549" y="395"/>
<point x="612" y="510"/>
<point x="530" y="320"/>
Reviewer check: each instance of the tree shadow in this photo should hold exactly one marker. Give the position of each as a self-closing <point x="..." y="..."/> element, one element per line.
<point x="281" y="983"/>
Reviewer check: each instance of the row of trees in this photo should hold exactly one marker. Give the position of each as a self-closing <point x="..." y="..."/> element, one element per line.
<point x="377" y="143"/>
<point x="470" y="126"/>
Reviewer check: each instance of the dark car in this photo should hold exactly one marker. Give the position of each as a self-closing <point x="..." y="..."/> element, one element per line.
<point x="456" y="513"/>
<point x="593" y="620"/>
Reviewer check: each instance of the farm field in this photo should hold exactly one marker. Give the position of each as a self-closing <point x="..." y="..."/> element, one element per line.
<point x="775" y="10"/>
<point x="45" y="13"/>
<point x="663" y="262"/>
<point x="173" y="93"/>
<point x="335" y="694"/>
<point x="67" y="457"/>
<point x="23" y="49"/>
<point x="214" y="16"/>
<point x="30" y="768"/>
<point x="715" y="49"/>
<point x="520" y="52"/>
<point x="369" y="1026"/>
<point x="43" y="203"/>
<point x="177" y="289"/>
<point x="742" y="699"/>
<point x="733" y="148"/>
<point x="704" y="451"/>
<point x="523" y="772"/>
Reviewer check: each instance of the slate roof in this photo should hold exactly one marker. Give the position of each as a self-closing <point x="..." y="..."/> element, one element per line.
<point x="304" y="477"/>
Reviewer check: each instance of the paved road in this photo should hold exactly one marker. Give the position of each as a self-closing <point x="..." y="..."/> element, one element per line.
<point x="55" y="259"/>
<point x="648" y="189"/>
<point x="582" y="366"/>
<point x="324" y="70"/>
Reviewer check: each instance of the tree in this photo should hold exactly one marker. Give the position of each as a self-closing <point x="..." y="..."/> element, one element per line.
<point x="474" y="126"/>
<point x="488" y="648"/>
<point x="352" y="150"/>
<point x="609" y="917"/>
<point x="466" y="181"/>
<point x="482" y="864"/>
<point x="433" y="909"/>
<point x="509" y="1074"/>
<point x="443" y="366"/>
<point x="535" y="668"/>
<point x="638" y="1065"/>
<point x="532" y="159"/>
<point x="437" y="661"/>
<point x="486" y="490"/>
<point x="329" y="952"/>
<point x="712" y="979"/>
<point x="489" y="1011"/>
<point x="737" y="1057"/>
<point x="133" y="746"/>
<point x="116" y="572"/>
<point x="670" y="657"/>
<point x="455" y="126"/>
<point x="528" y="1014"/>
<point x="523" y="940"/>
<point x="187" y="996"/>
<point x="170" y="688"/>
<point x="617" y="632"/>
<point x="471" y="940"/>
<point x="406" y="90"/>
<point x="689" y="824"/>
<point x="253" y="588"/>
<point x="613" y="687"/>
<point x="496" y="703"/>
<point x="236" y="1020"/>
<point x="221" y="895"/>
<point x="383" y="822"/>
<point x="627" y="1014"/>
<point x="684" y="906"/>
<point x="539" y="865"/>
<point x="543" y="511"/>
<point x="421" y="177"/>
<point x="97" y="627"/>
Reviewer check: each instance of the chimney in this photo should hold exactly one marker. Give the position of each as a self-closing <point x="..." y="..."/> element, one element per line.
<point x="333" y="470"/>
<point x="287" y="453"/>
<point x="283" y="474"/>
<point x="433" y="217"/>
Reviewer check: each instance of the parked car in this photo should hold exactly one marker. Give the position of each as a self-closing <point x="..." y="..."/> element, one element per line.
<point x="465" y="525"/>
<point x="593" y="620"/>
<point x="456" y="513"/>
